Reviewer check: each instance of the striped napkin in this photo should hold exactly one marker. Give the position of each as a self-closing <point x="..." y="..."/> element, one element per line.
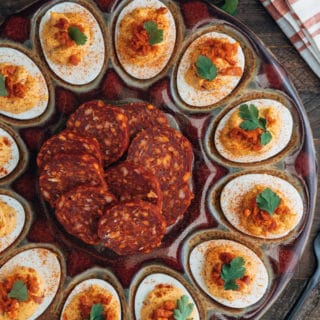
<point x="300" y="21"/>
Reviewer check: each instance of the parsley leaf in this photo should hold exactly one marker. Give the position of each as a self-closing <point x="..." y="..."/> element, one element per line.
<point x="231" y="272"/>
<point x="19" y="291"/>
<point x="155" y="35"/>
<point x="184" y="309"/>
<point x="96" y="312"/>
<point x="206" y="69"/>
<point x="3" y="89"/>
<point x="250" y="115"/>
<point x="77" y="36"/>
<point x="230" y="6"/>
<point x="268" y="200"/>
<point x="265" y="138"/>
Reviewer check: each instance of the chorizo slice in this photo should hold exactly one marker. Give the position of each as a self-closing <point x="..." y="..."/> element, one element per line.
<point x="142" y="115"/>
<point x="79" y="211"/>
<point x="132" y="227"/>
<point x="66" y="171"/>
<point x="68" y="142"/>
<point x="165" y="152"/>
<point x="176" y="200"/>
<point x="108" y="124"/>
<point x="129" y="181"/>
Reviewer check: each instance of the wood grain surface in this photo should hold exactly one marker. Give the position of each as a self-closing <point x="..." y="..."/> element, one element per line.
<point x="253" y="14"/>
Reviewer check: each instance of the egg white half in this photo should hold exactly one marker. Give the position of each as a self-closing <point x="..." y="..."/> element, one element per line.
<point x="15" y="155"/>
<point x="91" y="64"/>
<point x="17" y="58"/>
<point x="7" y="240"/>
<point x="148" y="70"/>
<point x="46" y="264"/>
<point x="203" y="98"/>
<point x="277" y="144"/>
<point x="86" y="284"/>
<point x="197" y="261"/>
<point x="149" y="283"/>
<point x="234" y="191"/>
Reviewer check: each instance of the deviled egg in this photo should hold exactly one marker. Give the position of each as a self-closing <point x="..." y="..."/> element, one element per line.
<point x="145" y="36"/>
<point x="159" y="293"/>
<point x="262" y="205"/>
<point x="30" y="280"/>
<point x="23" y="90"/>
<point x="210" y="69"/>
<point x="254" y="131"/>
<point x="9" y="153"/>
<point x="72" y="43"/>
<point x="92" y="297"/>
<point x="12" y="220"/>
<point x="229" y="272"/>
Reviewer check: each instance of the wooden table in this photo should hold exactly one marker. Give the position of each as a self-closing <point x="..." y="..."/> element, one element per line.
<point x="253" y="14"/>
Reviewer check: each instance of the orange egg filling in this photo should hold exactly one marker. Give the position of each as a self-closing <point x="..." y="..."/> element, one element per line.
<point x="215" y="276"/>
<point x="260" y="222"/>
<point x="10" y="306"/>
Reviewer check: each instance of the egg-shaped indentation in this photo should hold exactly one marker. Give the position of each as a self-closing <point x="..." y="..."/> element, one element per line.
<point x="229" y="272"/>
<point x="9" y="155"/>
<point x="253" y="131"/>
<point x="94" y="291"/>
<point x="12" y="220"/>
<point x="25" y="93"/>
<point x="72" y="42"/>
<point x="158" y="290"/>
<point x="262" y="205"/>
<point x="32" y="277"/>
<point x="210" y="69"/>
<point x="145" y="36"/>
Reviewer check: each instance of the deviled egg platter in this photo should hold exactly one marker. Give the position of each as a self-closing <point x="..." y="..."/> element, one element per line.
<point x="146" y="35"/>
<point x="26" y="93"/>
<point x="251" y="131"/>
<point x="13" y="155"/>
<point x="211" y="68"/>
<point x="73" y="39"/>
<point x="261" y="205"/>
<point x="15" y="219"/>
<point x="157" y="291"/>
<point x="92" y="296"/>
<point x="229" y="272"/>
<point x="29" y="282"/>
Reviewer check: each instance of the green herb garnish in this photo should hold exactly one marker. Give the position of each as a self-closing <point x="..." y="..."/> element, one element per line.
<point x="206" y="69"/>
<point x="19" y="291"/>
<point x="155" y="35"/>
<point x="230" y="6"/>
<point x="3" y="89"/>
<point x="184" y="309"/>
<point x="268" y="200"/>
<point x="252" y="121"/>
<point x="231" y="272"/>
<point x="96" y="312"/>
<point x="77" y="35"/>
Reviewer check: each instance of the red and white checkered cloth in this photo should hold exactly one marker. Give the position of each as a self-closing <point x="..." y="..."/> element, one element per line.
<point x="300" y="21"/>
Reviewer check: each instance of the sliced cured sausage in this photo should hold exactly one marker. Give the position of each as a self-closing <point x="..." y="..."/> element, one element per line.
<point x="129" y="181"/>
<point x="176" y="200"/>
<point x="142" y="115"/>
<point x="109" y="125"/>
<point x="132" y="227"/>
<point x="165" y="152"/>
<point x="66" y="171"/>
<point x="68" y="142"/>
<point x="79" y="211"/>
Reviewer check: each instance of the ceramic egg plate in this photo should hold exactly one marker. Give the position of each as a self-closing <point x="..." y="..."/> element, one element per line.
<point x="248" y="89"/>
